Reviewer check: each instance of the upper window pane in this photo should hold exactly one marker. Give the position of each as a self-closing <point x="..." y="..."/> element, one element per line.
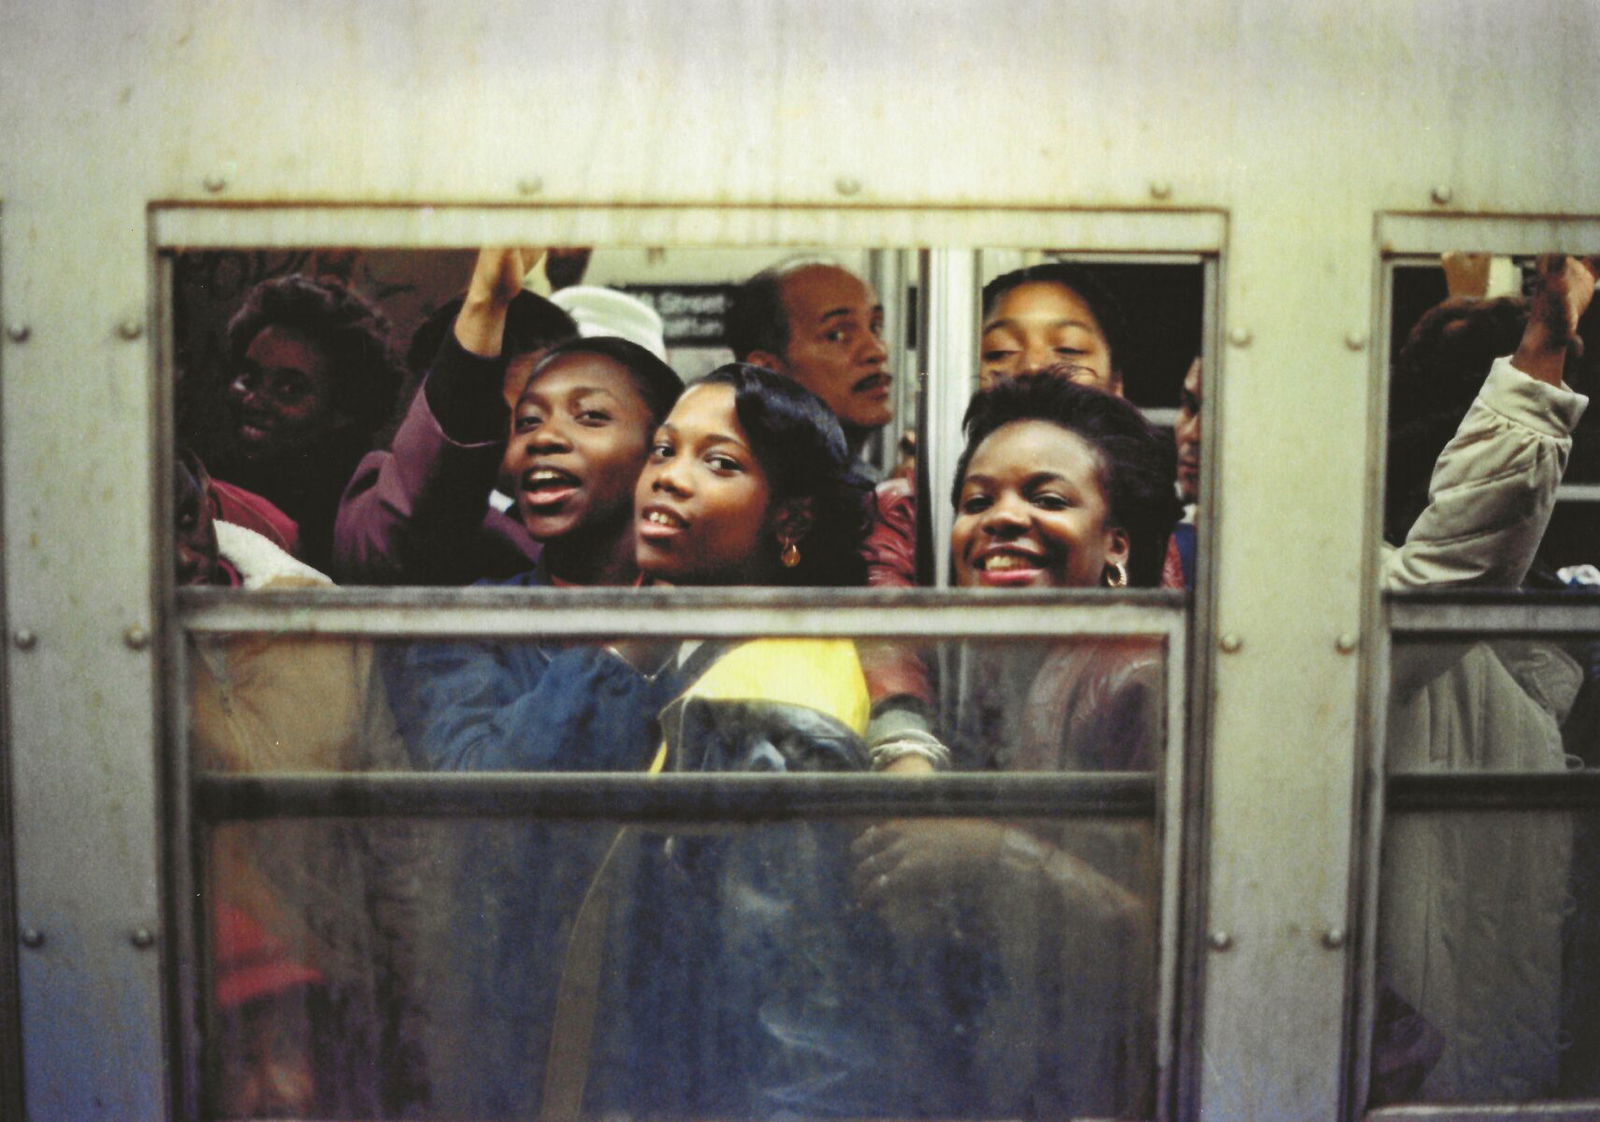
<point x="305" y="403"/>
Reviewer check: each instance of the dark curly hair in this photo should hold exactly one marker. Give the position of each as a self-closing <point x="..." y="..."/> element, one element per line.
<point x="656" y="382"/>
<point x="802" y="450"/>
<point x="1089" y="288"/>
<point x="1137" y="463"/>
<point x="351" y="333"/>
<point x="1432" y="383"/>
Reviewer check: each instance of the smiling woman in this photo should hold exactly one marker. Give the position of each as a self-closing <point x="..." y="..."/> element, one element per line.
<point x="1060" y="486"/>
<point x="748" y="483"/>
<point x="314" y="377"/>
<point x="1053" y="314"/>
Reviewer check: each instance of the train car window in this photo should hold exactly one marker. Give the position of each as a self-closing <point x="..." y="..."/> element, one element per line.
<point x="723" y="849"/>
<point x="1483" y="923"/>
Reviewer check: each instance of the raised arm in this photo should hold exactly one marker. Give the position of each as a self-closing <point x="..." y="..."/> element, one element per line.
<point x="1494" y="485"/>
<point x="419" y="514"/>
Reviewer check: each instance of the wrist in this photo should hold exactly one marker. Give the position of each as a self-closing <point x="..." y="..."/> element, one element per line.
<point x="1538" y="360"/>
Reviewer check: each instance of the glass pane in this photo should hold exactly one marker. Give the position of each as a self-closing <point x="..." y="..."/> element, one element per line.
<point x="1451" y="318"/>
<point x="310" y="703"/>
<point x="897" y="967"/>
<point x="479" y="969"/>
<point x="308" y="414"/>
<point x="1489" y="919"/>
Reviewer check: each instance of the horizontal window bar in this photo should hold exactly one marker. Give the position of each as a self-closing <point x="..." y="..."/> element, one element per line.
<point x="1488" y="790"/>
<point x="1578" y="493"/>
<point x="456" y="226"/>
<point x="669" y="798"/>
<point x="1433" y="234"/>
<point x="1586" y="1111"/>
<point x="1498" y="612"/>
<point x="688" y="613"/>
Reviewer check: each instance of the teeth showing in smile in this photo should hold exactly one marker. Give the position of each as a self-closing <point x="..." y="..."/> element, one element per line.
<point x="1006" y="562"/>
<point x="545" y="477"/>
<point x="661" y="518"/>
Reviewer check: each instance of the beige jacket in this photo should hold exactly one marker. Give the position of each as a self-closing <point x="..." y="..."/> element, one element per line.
<point x="1471" y="903"/>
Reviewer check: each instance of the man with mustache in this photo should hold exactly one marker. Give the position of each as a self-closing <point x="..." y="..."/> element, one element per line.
<point x="822" y="326"/>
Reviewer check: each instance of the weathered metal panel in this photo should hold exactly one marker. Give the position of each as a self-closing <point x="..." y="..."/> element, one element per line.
<point x="1300" y="123"/>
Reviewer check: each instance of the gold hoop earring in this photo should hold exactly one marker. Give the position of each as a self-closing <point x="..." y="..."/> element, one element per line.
<point x="1116" y="575"/>
<point x="790" y="554"/>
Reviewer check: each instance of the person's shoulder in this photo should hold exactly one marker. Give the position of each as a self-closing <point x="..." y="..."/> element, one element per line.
<point x="822" y="674"/>
<point x="261" y="564"/>
<point x="532" y="578"/>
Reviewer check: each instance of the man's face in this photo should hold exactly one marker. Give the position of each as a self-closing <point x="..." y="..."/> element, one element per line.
<point x="1187" y="434"/>
<point x="836" y="344"/>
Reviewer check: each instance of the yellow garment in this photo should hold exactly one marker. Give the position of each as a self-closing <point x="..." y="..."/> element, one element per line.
<point x="821" y="674"/>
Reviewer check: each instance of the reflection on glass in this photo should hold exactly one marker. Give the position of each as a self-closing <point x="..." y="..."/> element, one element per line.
<point x="1488" y="920"/>
<point x="941" y="967"/>
<point x="262" y="703"/>
<point x="705" y="972"/>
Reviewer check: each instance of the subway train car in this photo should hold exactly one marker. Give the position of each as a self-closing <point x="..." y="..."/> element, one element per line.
<point x="415" y="707"/>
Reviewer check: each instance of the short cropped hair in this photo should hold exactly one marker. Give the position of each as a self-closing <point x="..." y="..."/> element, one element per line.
<point x="351" y="334"/>
<point x="1089" y="288"/>
<point x="757" y="319"/>
<point x="1137" y="463"/>
<point x="802" y="450"/>
<point x="656" y="382"/>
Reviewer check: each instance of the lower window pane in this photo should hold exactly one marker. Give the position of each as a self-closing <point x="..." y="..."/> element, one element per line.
<point x="480" y="968"/>
<point x="1489" y="909"/>
<point x="479" y="960"/>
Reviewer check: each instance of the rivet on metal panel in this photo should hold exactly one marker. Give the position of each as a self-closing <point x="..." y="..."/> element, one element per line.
<point x="142" y="938"/>
<point x="1442" y="194"/>
<point x="1160" y="189"/>
<point x="1345" y="643"/>
<point x="1333" y="938"/>
<point x="130" y="329"/>
<point x="215" y="182"/>
<point x="1240" y="337"/>
<point x="1230" y="643"/>
<point x="530" y="185"/>
<point x="18" y="332"/>
<point x="32" y="937"/>
<point x="1220" y="941"/>
<point x="847" y="185"/>
<point x="1356" y="341"/>
<point x="136" y="637"/>
<point x="24" y="639"/>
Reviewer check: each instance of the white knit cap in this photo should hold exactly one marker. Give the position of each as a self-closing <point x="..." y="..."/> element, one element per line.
<point x="605" y="311"/>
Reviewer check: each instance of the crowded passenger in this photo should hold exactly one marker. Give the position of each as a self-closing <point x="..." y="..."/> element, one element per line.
<point x="1034" y="943"/>
<point x="420" y="513"/>
<point x="314" y="380"/>
<point x="1470" y="917"/>
<point x="1051" y="315"/>
<point x="707" y="1004"/>
<point x="822" y="326"/>
<point x="1054" y="317"/>
<point x="1186" y="438"/>
<point x="297" y="902"/>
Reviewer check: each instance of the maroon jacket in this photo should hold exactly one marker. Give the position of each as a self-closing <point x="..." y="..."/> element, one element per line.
<point x="420" y="514"/>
